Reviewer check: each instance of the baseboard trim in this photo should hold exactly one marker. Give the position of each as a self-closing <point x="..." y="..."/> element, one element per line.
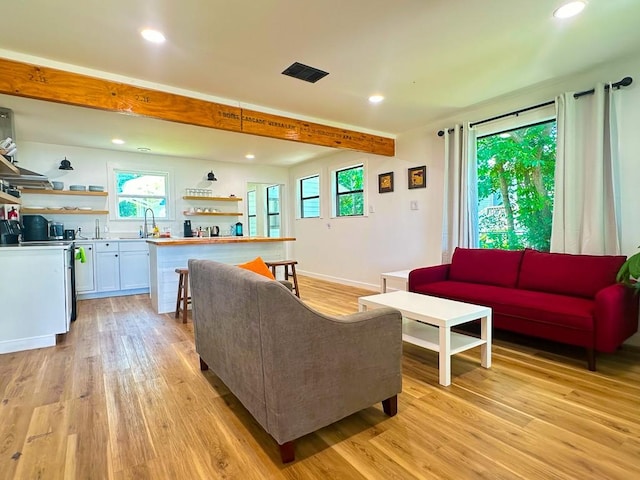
<point x="114" y="293"/>
<point x="343" y="281"/>
<point x="31" y="343"/>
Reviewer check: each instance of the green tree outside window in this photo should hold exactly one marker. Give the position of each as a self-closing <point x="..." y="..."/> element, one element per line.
<point x="516" y="187"/>
<point x="350" y="192"/>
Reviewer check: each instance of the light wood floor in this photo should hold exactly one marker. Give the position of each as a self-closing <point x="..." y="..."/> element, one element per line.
<point x="122" y="397"/>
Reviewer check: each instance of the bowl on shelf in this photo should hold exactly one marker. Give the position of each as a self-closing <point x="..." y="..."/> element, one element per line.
<point x="96" y="188"/>
<point x="57" y="185"/>
<point x="77" y="188"/>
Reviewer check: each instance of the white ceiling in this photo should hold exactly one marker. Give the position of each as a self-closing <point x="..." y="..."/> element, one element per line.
<point x="429" y="58"/>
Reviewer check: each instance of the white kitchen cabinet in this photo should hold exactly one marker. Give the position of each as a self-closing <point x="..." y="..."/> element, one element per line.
<point x="85" y="274"/>
<point x="134" y="265"/>
<point x="107" y="266"/>
<point x="36" y="304"/>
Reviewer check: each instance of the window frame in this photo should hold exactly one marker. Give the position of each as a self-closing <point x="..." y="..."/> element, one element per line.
<point x="116" y="170"/>
<point x="302" y="198"/>
<point x="337" y="194"/>
<point x="506" y="127"/>
<point x="253" y="216"/>
<point x="274" y="214"/>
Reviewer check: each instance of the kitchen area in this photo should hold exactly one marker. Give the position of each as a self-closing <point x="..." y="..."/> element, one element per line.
<point x="84" y="250"/>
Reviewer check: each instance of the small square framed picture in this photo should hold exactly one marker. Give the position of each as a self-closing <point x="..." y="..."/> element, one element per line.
<point x="385" y="182"/>
<point x="418" y="177"/>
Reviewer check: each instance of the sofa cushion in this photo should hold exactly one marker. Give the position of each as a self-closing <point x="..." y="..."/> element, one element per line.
<point x="567" y="274"/>
<point x="549" y="308"/>
<point x="258" y="266"/>
<point x="485" y="266"/>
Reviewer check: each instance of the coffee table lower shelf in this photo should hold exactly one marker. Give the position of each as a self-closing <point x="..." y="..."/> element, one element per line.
<point x="428" y="336"/>
<point x="427" y="322"/>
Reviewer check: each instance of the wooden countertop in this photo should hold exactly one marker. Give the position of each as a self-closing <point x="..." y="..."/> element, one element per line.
<point x="167" y="242"/>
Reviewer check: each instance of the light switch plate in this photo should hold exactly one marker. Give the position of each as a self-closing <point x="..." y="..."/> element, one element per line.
<point x="414" y="205"/>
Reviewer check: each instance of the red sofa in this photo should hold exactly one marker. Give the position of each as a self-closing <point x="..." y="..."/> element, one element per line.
<point x="573" y="299"/>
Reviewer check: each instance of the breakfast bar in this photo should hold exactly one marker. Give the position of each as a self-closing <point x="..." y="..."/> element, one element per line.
<point x="167" y="254"/>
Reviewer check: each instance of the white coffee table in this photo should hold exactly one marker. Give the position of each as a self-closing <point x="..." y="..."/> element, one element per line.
<point x="427" y="322"/>
<point x="402" y="275"/>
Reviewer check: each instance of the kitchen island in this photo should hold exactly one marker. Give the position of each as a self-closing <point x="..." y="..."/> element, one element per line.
<point x="167" y="254"/>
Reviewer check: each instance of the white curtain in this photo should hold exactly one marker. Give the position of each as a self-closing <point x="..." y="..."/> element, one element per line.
<point x="585" y="203"/>
<point x="460" y="219"/>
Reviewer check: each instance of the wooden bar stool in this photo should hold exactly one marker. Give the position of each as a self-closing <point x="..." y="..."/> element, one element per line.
<point x="183" y="293"/>
<point x="289" y="271"/>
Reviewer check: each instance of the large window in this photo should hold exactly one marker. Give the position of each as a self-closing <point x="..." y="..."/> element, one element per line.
<point x="310" y="197"/>
<point x="138" y="190"/>
<point x="349" y="189"/>
<point x="273" y="211"/>
<point x="252" y="213"/>
<point x="516" y="187"/>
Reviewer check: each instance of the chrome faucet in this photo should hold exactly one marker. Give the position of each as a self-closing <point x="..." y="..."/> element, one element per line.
<point x="153" y="222"/>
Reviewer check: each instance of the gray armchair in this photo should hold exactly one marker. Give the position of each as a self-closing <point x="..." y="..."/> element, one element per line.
<point x="294" y="369"/>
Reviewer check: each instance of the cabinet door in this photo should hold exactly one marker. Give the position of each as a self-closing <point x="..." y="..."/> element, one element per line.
<point x="85" y="281"/>
<point x="134" y="270"/>
<point x="107" y="271"/>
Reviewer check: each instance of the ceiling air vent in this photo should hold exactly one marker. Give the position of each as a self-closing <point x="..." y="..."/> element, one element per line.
<point x="304" y="72"/>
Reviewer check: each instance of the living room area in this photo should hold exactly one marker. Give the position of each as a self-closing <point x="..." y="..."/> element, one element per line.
<point x="123" y="397"/>
<point x="547" y="385"/>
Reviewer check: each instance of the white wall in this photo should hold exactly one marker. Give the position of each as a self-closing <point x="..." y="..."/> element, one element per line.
<point x="354" y="250"/>
<point x="91" y="168"/>
<point x="357" y="250"/>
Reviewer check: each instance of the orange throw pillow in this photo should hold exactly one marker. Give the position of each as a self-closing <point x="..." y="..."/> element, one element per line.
<point x="258" y="266"/>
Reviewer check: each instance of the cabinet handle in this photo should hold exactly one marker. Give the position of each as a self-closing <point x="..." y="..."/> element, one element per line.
<point x="116" y="254"/>
<point x="107" y="244"/>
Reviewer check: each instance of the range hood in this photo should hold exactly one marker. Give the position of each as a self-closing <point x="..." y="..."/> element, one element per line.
<point x="25" y="178"/>
<point x="9" y="170"/>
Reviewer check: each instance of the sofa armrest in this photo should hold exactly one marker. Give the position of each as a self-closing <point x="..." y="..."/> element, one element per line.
<point x="616" y="317"/>
<point x="424" y="275"/>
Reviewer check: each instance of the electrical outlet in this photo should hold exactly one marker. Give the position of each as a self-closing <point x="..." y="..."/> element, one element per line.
<point x="414" y="205"/>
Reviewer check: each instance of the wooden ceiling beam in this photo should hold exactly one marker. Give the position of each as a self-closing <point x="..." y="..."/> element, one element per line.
<point x="49" y="84"/>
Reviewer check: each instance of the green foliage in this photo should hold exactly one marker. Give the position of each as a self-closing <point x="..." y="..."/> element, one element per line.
<point x="629" y="273"/>
<point x="350" y="198"/>
<point x="127" y="209"/>
<point x="518" y="169"/>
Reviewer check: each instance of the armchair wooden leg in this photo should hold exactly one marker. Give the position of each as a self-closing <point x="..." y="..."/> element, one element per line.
<point x="390" y="405"/>
<point x="203" y="365"/>
<point x="287" y="452"/>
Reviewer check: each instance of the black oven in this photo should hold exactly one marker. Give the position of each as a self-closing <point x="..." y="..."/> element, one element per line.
<point x="72" y="266"/>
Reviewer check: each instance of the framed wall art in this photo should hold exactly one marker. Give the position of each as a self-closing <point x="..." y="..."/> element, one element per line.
<point x="418" y="177"/>
<point x="385" y="182"/>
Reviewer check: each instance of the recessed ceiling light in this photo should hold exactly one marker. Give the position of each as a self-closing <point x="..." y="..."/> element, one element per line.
<point x="153" y="36"/>
<point x="144" y="149"/>
<point x="249" y="156"/>
<point x="117" y="141"/>
<point x="376" y="98"/>
<point x="569" y="9"/>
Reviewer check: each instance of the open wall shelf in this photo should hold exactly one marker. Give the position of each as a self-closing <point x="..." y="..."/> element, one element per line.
<point x="213" y="214"/>
<point x="37" y="191"/>
<point x="217" y="199"/>
<point x="61" y="211"/>
<point x="7" y="199"/>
